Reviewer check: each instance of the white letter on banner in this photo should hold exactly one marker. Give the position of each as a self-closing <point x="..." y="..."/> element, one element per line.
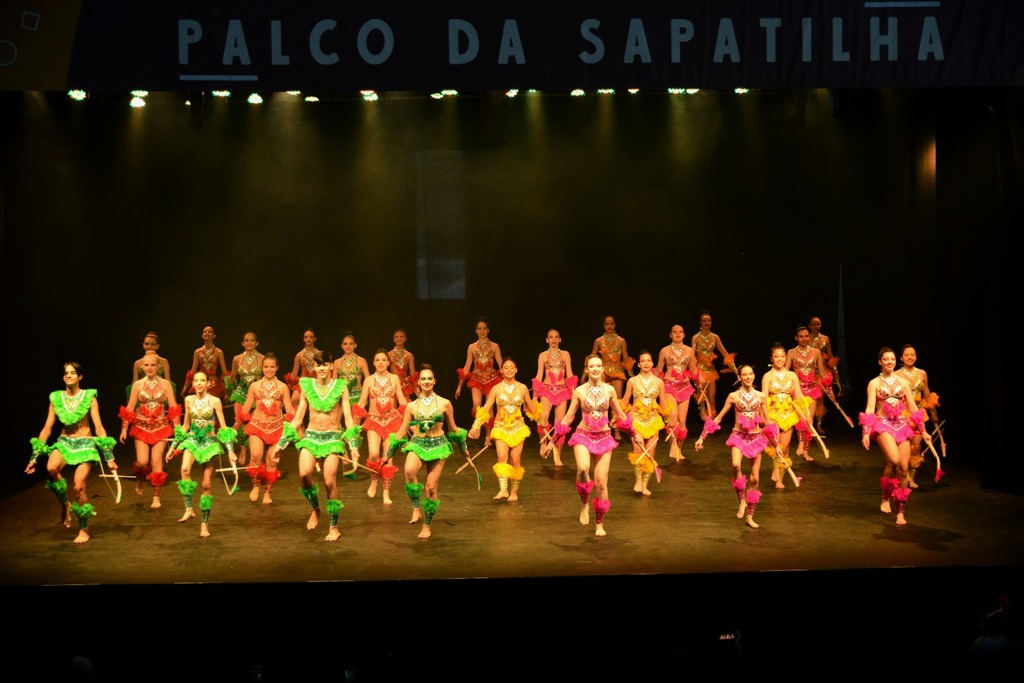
<point x="457" y="27"/>
<point x="931" y="41"/>
<point x="315" y="36"/>
<point x="838" y="53"/>
<point x="771" y="26"/>
<point x="680" y="31"/>
<point x="386" y="49"/>
<point x="190" y="32"/>
<point x="234" y="44"/>
<point x="636" y="43"/>
<point x="725" y="43"/>
<point x="889" y="40"/>
<point x="276" y="56"/>
<point x="511" y="44"/>
<point x="587" y="29"/>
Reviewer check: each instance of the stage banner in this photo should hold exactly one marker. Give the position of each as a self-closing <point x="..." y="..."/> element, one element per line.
<point x="487" y="45"/>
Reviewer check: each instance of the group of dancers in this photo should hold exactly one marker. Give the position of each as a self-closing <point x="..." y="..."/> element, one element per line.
<point x="328" y="407"/>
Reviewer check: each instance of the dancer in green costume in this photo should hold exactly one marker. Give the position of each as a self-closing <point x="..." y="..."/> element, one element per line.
<point x="78" y="445"/>
<point x="326" y="400"/>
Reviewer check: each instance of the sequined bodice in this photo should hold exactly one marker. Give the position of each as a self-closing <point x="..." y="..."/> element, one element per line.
<point x="348" y="370"/>
<point x="200" y="412"/>
<point x="483" y="356"/>
<point x="803" y="362"/>
<point x="152" y="394"/>
<point x="890" y="390"/>
<point x="748" y="404"/>
<point x="678" y="359"/>
<point x="208" y="361"/>
<point x="399" y="358"/>
<point x="268" y="393"/>
<point x="306" y="364"/>
<point x="781" y="385"/>
<point x="645" y="391"/>
<point x="509" y="399"/>
<point x="383" y="392"/>
<point x="595" y="403"/>
<point x="554" y="365"/>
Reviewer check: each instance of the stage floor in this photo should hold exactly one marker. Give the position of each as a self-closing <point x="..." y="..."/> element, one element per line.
<point x="823" y="554"/>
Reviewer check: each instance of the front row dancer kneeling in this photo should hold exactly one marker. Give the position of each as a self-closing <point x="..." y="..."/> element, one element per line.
<point x="751" y="434"/>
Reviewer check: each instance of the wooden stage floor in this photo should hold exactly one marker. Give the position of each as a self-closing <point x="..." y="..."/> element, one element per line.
<point x="824" y="561"/>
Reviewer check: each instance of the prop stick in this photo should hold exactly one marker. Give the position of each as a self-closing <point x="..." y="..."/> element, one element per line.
<point x="938" y="463"/>
<point x="231" y="469"/>
<point x="938" y="430"/>
<point x="117" y="481"/>
<point x="645" y="454"/>
<point x="836" y="404"/>
<point x="773" y="452"/>
<point x="469" y="461"/>
<point x="810" y="426"/>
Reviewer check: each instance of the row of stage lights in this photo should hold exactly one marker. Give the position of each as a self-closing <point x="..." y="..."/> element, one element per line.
<point x="138" y="97"/>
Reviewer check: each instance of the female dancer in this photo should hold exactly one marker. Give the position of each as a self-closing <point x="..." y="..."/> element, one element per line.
<point x="403" y="364"/>
<point x="425" y="418"/>
<point x="351" y="367"/>
<point x="384" y="418"/>
<point x="704" y="344"/>
<point x="678" y="366"/>
<point x="483" y="358"/>
<point x="891" y="418"/>
<point x="200" y="440"/>
<point x="76" y="446"/>
<point x="511" y="399"/>
<point x="647" y="391"/>
<point x="554" y="385"/>
<point x="617" y="363"/>
<point x="303" y="366"/>
<point x="268" y="405"/>
<point x="327" y="401"/>
<point x="593" y="439"/>
<point x="787" y="408"/>
<point x="747" y="440"/>
<point x="246" y="368"/>
<point x="923" y="397"/>
<point x="810" y="370"/>
<point x="149" y="343"/>
<point x="151" y="426"/>
<point x="824" y="345"/>
<point x="209" y="359"/>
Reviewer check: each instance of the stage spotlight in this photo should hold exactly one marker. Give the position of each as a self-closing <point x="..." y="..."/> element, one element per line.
<point x="578" y="92"/>
<point x="137" y="102"/>
<point x="77" y="95"/>
<point x="369" y="95"/>
<point x="220" y="93"/>
<point x="511" y="92"/>
<point x="254" y="98"/>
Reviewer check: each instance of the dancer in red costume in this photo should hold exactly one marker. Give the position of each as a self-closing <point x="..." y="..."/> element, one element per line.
<point x="824" y="344"/>
<point x="677" y="366"/>
<point x="210" y="360"/>
<point x="892" y="418"/>
<point x="150" y="343"/>
<point x="403" y="364"/>
<point x="553" y="385"/>
<point x="303" y="366"/>
<point x="483" y="359"/>
<point x="750" y="436"/>
<point x="593" y="440"/>
<point x="806" y="362"/>
<point x="77" y="445"/>
<point x="704" y="344"/>
<point x="383" y="404"/>
<point x="510" y="399"/>
<point x="152" y="413"/>
<point x="268" y="405"/>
